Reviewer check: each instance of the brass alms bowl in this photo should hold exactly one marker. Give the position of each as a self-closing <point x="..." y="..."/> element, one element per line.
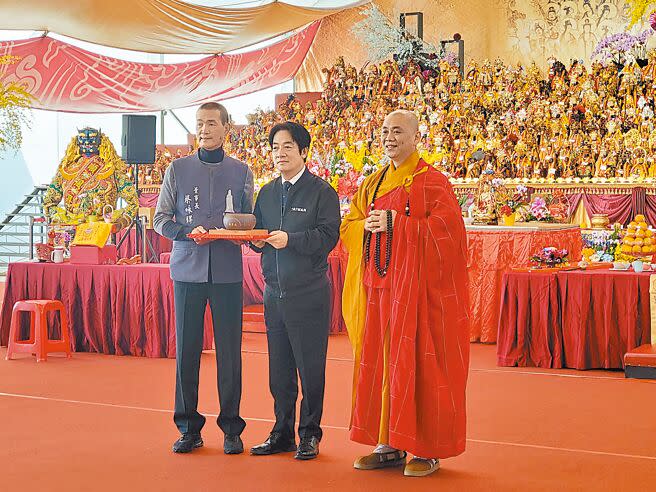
<point x="238" y="222"/>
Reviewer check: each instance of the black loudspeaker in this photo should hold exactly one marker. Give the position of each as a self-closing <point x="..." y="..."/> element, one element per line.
<point x="138" y="141"/>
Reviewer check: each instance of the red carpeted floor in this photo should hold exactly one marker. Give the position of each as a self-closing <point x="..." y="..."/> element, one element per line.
<point x="104" y="423"/>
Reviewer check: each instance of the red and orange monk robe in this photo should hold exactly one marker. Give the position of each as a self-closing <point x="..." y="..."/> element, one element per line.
<point x="409" y="329"/>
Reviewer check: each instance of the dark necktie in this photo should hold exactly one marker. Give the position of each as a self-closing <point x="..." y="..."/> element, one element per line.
<point x="285" y="191"/>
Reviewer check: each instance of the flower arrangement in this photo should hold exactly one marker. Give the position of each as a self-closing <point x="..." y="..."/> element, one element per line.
<point x="465" y="201"/>
<point x="509" y="201"/>
<point x="550" y="257"/>
<point x="345" y="169"/>
<point x="546" y="208"/>
<point x="505" y="210"/>
<point x="601" y="245"/>
<point x="384" y="39"/>
<point x="355" y="158"/>
<point x="622" y="46"/>
<point x="537" y="210"/>
<point x="451" y="57"/>
<point x="348" y="184"/>
<point x="14" y="110"/>
<point x="587" y="254"/>
<point x="61" y="235"/>
<point x="637" y="9"/>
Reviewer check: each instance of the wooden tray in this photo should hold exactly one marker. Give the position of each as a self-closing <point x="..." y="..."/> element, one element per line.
<point x="251" y="235"/>
<point x="565" y="268"/>
<point x="600" y="265"/>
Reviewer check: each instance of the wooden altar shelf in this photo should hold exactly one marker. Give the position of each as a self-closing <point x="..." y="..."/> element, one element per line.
<point x="591" y="188"/>
<point x="580" y="186"/>
<point x="522" y="227"/>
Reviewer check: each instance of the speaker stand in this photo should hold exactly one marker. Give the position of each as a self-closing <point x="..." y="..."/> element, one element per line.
<point x="140" y="230"/>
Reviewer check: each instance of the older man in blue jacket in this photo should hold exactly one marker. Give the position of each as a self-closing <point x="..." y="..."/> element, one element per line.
<point x="193" y="199"/>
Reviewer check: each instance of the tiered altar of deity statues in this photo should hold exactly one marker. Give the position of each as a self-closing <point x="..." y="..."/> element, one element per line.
<point x="591" y="123"/>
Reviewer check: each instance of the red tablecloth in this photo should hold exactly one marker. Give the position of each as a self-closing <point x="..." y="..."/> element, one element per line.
<point x="254" y="283"/>
<point x="122" y="310"/>
<point x="604" y="314"/>
<point x="490" y="255"/>
<point x="159" y="243"/>
<point x="576" y="319"/>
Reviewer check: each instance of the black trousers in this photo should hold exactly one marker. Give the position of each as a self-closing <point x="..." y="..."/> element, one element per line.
<point x="297" y="334"/>
<point x="226" y="306"/>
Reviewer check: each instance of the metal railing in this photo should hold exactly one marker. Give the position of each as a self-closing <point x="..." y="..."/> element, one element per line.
<point x="17" y="229"/>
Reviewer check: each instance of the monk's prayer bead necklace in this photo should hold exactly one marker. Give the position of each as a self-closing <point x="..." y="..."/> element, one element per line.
<point x="380" y="270"/>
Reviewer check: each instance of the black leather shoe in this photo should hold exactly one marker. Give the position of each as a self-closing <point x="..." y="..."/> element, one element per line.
<point x="187" y="443"/>
<point x="276" y="443"/>
<point x="233" y="445"/>
<point x="308" y="448"/>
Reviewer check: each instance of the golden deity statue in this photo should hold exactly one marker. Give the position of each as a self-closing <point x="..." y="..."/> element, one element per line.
<point x="90" y="179"/>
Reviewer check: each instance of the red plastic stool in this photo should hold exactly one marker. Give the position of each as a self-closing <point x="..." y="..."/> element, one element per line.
<point x="39" y="342"/>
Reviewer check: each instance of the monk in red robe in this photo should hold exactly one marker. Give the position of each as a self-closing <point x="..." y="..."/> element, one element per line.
<point x="405" y="306"/>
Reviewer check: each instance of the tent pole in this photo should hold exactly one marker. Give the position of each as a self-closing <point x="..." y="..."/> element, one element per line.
<point x="175" y="116"/>
<point x="161" y="126"/>
<point x="162" y="113"/>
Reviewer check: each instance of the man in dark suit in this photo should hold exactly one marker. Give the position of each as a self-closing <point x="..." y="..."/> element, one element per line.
<point x="302" y="211"/>
<point x="193" y="199"/>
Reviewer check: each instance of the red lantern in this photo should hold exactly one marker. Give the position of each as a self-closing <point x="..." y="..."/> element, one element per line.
<point x="652" y="20"/>
<point x="458" y="37"/>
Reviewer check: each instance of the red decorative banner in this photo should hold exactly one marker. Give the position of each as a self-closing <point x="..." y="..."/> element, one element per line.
<point x="62" y="77"/>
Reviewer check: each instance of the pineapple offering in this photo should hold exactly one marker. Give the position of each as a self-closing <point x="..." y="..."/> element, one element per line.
<point x="639" y="239"/>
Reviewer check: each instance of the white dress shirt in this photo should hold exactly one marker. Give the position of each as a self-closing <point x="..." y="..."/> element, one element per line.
<point x="295" y="178"/>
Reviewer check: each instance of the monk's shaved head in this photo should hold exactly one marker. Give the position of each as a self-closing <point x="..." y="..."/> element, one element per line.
<point x="410" y="118"/>
<point x="400" y="135"/>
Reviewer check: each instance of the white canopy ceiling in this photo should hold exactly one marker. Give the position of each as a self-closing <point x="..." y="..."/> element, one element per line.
<point x="168" y="26"/>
